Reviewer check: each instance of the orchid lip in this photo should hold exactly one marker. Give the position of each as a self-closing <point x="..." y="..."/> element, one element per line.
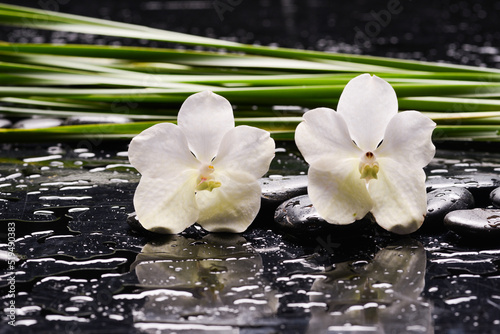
<point x="206" y="179"/>
<point x="368" y="166"/>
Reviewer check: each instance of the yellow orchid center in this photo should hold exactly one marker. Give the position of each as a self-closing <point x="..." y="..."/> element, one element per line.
<point x="206" y="180"/>
<point x="368" y="166"/>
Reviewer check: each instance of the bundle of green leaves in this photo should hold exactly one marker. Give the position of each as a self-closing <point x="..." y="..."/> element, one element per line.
<point x="270" y="87"/>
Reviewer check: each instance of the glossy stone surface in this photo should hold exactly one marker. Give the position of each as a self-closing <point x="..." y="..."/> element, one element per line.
<point x="37" y="123"/>
<point x="442" y="201"/>
<point x="477" y="172"/>
<point x="277" y="188"/>
<point x="5" y="123"/>
<point x="474" y="223"/>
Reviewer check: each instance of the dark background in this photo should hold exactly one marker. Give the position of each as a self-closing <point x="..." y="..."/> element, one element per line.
<point x="462" y="32"/>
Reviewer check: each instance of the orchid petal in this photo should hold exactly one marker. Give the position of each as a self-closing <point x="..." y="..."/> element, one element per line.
<point x="399" y="196"/>
<point x="323" y="137"/>
<point x="339" y="196"/>
<point x="246" y="149"/>
<point x="233" y="206"/>
<point x="408" y="139"/>
<point x="205" y="118"/>
<point x="167" y="205"/>
<point x="161" y="150"/>
<point x="367" y="105"/>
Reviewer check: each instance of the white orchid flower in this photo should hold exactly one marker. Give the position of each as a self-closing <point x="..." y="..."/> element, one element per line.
<point x="367" y="157"/>
<point x="202" y="170"/>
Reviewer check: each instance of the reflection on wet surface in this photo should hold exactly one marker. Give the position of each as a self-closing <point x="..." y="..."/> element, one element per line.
<point x="216" y="280"/>
<point x="81" y="267"/>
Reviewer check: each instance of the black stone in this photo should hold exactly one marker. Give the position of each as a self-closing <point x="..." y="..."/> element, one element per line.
<point x="443" y="201"/>
<point x="298" y="214"/>
<point x="277" y="189"/>
<point x="137" y="227"/>
<point x="474" y="223"/>
<point x="478" y="183"/>
<point x="495" y="197"/>
<point x="37" y="123"/>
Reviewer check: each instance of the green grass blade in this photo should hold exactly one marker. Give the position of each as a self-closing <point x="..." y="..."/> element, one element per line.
<point x="467" y="133"/>
<point x="449" y="104"/>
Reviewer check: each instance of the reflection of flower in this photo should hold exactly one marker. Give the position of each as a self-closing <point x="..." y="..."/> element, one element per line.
<point x="379" y="296"/>
<point x="215" y="280"/>
<point x="202" y="170"/>
<point x="367" y="157"/>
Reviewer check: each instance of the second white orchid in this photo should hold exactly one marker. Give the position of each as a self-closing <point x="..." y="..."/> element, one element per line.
<point x="367" y="157"/>
<point x="202" y="170"/>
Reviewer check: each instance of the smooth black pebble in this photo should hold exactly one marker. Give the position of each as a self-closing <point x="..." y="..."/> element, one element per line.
<point x="299" y="215"/>
<point x="277" y="189"/>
